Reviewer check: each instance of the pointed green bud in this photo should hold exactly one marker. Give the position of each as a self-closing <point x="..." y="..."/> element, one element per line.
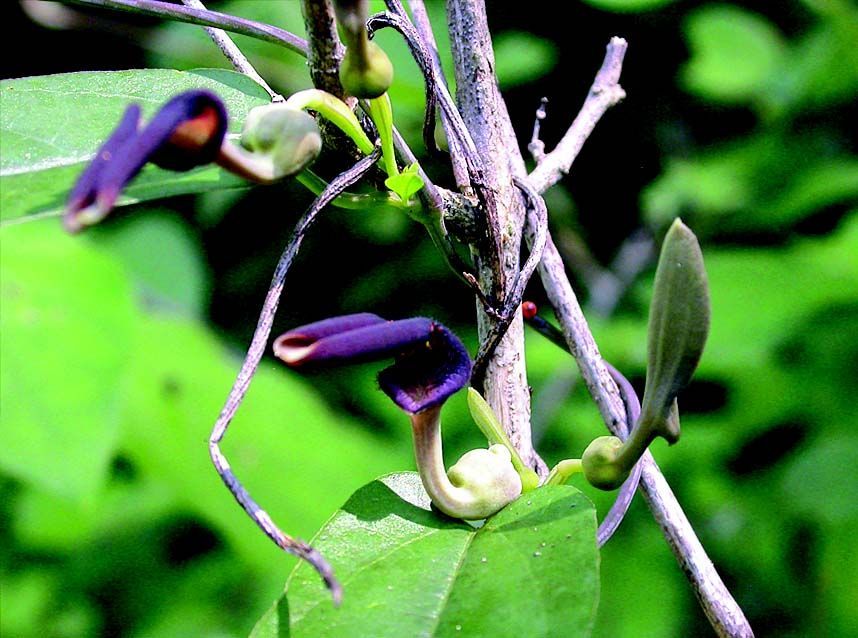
<point x="366" y="71"/>
<point x="678" y="327"/>
<point x="288" y="139"/>
<point x="489" y="477"/>
<point x="600" y="463"/>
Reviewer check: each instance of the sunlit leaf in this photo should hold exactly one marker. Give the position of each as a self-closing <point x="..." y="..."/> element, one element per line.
<point x="628" y="6"/>
<point x="66" y="332"/>
<point x="297" y="458"/>
<point x="522" y="57"/>
<point x="52" y="125"/>
<point x="408" y="571"/>
<point x="141" y="242"/>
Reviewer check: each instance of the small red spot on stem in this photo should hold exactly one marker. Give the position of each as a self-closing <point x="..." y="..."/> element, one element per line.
<point x="529" y="309"/>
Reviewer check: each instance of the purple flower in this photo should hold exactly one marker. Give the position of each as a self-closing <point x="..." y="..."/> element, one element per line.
<point x="431" y="363"/>
<point x="185" y="133"/>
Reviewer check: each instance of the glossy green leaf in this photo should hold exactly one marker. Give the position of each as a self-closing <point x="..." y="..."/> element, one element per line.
<point x="65" y="335"/>
<point x="733" y="53"/>
<point x="406" y="183"/>
<point x="531" y="570"/>
<point x="52" y="125"/>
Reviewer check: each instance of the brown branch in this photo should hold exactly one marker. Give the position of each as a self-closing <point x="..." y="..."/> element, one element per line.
<point x="190" y="15"/>
<point x="497" y="260"/>
<point x="604" y="93"/>
<point x="326" y="51"/>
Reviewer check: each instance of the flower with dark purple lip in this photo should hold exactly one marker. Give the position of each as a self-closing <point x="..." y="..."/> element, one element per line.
<point x="185" y="133"/>
<point x="430" y="365"/>
<point x="431" y="362"/>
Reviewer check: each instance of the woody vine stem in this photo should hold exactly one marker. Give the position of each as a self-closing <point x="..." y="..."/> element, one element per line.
<point x="499" y="205"/>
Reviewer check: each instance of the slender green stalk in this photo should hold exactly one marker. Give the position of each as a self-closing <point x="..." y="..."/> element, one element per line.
<point x="491" y="428"/>
<point x="563" y="471"/>
<point x="381" y="112"/>
<point x="334" y="110"/>
<point x="350" y="201"/>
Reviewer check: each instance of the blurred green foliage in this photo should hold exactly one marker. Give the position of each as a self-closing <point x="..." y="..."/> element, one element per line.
<point x="117" y="349"/>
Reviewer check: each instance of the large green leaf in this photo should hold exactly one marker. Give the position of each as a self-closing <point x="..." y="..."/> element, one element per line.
<point x="52" y="125"/>
<point x="141" y="242"/>
<point x="65" y="334"/>
<point x="734" y="53"/>
<point x="531" y="570"/>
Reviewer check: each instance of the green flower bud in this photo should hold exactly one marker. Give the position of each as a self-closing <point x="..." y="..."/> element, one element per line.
<point x="366" y="71"/>
<point x="678" y="327"/>
<point x="600" y="463"/>
<point x="289" y="139"/>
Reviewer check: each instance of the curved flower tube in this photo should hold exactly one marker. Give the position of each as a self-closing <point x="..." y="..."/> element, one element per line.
<point x="430" y="365"/>
<point x="185" y="133"/>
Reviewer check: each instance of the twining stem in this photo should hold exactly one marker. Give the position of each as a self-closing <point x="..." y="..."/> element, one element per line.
<point x="254" y="354"/>
<point x="204" y="18"/>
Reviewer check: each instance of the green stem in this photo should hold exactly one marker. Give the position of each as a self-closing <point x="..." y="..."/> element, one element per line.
<point x="491" y="428"/>
<point x="381" y="112"/>
<point x="334" y="110"/>
<point x="563" y="471"/>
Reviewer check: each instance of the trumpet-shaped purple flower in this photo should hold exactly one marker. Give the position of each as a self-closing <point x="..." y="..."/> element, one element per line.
<point x="431" y="362"/>
<point x="185" y="133"/>
<point x="430" y="365"/>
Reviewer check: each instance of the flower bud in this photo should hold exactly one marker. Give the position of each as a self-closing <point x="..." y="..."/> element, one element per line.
<point x="600" y="463"/>
<point x="678" y="327"/>
<point x="366" y="71"/>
